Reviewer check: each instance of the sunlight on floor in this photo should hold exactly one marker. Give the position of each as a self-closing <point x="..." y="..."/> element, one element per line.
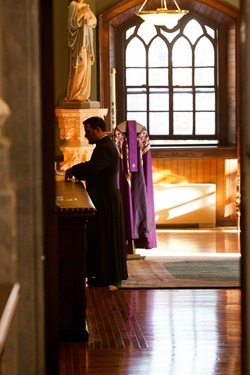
<point x="214" y="241"/>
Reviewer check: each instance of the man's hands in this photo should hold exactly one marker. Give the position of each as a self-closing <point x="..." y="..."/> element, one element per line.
<point x="68" y="174"/>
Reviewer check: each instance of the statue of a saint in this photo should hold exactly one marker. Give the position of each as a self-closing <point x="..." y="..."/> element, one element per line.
<point x="81" y="22"/>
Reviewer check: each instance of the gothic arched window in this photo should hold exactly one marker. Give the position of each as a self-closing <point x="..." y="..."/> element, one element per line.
<point x="171" y="81"/>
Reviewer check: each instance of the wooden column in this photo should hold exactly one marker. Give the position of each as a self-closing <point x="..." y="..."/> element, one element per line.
<point x="245" y="181"/>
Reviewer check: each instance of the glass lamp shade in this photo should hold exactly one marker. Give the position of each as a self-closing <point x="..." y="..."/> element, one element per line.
<point x="162" y="16"/>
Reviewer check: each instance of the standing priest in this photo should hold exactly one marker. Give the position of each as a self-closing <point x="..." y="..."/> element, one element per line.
<point x="106" y="247"/>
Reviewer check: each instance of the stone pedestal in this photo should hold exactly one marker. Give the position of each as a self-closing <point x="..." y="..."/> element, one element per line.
<point x="76" y="149"/>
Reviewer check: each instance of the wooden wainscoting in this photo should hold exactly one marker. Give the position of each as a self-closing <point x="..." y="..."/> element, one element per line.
<point x="220" y="171"/>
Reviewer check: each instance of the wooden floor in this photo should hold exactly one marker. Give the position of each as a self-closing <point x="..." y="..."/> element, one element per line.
<point x="163" y="332"/>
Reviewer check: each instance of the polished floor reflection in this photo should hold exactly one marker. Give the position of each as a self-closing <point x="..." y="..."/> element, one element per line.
<point x="165" y="332"/>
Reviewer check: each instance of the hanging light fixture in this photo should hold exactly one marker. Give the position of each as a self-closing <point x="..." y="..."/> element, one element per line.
<point x="162" y="16"/>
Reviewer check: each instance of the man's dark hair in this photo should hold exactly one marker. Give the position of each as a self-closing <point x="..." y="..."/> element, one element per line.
<point x="95" y="122"/>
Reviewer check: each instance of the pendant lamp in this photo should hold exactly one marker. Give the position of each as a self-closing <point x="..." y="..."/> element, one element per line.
<point x="162" y="16"/>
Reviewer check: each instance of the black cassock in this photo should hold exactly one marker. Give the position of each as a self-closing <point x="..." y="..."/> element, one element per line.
<point x="106" y="245"/>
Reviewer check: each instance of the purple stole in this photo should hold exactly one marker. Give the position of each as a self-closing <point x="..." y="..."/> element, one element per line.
<point x="132" y="146"/>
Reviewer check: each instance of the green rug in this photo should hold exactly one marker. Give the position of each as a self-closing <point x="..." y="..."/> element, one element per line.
<point x="203" y="271"/>
<point x="220" y="270"/>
